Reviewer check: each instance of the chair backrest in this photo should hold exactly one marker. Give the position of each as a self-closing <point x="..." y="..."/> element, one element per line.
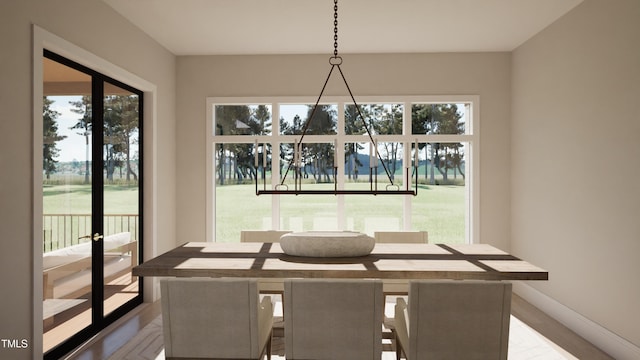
<point x="419" y="237"/>
<point x="269" y="236"/>
<point x="210" y="318"/>
<point x="333" y="319"/>
<point x="459" y="319"/>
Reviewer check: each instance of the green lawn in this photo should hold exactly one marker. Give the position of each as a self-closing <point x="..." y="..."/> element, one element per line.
<point x="440" y="210"/>
<point x="76" y="199"/>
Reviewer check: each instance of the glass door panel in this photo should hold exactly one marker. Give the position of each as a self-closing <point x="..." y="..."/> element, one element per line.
<point x="67" y="203"/>
<point x="121" y="195"/>
<point x="91" y="202"/>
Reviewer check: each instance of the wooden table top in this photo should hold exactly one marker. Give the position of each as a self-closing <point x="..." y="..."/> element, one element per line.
<point x="386" y="261"/>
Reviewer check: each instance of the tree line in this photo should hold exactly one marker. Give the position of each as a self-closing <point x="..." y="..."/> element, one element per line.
<point x="120" y="129"/>
<point x="237" y="162"/>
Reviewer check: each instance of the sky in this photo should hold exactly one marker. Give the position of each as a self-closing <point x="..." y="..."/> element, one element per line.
<point x="73" y="147"/>
<point x="289" y="111"/>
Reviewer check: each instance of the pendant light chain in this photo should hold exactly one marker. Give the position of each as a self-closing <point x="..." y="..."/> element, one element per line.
<point x="295" y="163"/>
<point x="335" y="28"/>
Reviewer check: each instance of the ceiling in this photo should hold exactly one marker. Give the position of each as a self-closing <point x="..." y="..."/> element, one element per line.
<point x="224" y="27"/>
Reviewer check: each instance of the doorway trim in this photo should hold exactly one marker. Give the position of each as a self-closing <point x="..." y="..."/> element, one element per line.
<point x="43" y="39"/>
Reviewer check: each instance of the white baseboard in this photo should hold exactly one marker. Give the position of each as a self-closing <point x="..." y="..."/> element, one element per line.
<point x="599" y="336"/>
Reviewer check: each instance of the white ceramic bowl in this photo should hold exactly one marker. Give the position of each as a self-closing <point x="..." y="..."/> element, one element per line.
<point x="327" y="244"/>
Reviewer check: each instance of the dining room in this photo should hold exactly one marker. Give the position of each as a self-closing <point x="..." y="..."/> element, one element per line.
<point x="333" y="288"/>
<point x="497" y="123"/>
<point x="213" y="264"/>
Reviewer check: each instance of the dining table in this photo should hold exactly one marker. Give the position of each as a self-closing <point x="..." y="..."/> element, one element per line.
<point x="386" y="261"/>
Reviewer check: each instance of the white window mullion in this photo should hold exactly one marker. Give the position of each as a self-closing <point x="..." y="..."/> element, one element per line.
<point x="210" y="174"/>
<point x="340" y="139"/>
<point x="406" y="165"/>
<point x="275" y="168"/>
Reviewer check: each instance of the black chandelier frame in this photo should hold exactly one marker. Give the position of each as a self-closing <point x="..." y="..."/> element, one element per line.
<point x="295" y="164"/>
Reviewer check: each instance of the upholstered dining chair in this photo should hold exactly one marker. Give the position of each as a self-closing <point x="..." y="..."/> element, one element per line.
<point x="419" y="237"/>
<point x="270" y="285"/>
<point x="454" y="320"/>
<point x="269" y="236"/>
<point x="215" y="319"/>
<point x="399" y="286"/>
<point x="395" y="287"/>
<point x="266" y="285"/>
<point x="333" y="319"/>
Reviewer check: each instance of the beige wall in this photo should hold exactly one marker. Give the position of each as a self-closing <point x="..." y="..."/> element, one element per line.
<point x="567" y="203"/>
<point x="93" y="26"/>
<point x="486" y="75"/>
<point x="575" y="161"/>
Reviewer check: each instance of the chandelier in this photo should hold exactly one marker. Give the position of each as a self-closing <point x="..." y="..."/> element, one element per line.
<point x="295" y="163"/>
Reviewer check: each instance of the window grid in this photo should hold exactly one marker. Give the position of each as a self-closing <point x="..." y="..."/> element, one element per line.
<point x="406" y="139"/>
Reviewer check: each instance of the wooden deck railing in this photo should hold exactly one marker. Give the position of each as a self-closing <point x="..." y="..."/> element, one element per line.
<point x="62" y="230"/>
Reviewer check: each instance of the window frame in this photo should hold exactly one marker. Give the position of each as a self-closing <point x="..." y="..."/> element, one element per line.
<point x="470" y="137"/>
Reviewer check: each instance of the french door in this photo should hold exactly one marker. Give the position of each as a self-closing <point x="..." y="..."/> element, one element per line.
<point x="92" y="202"/>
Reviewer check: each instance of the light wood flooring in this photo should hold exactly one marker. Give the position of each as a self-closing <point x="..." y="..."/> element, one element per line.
<point x="66" y="323"/>
<point x="116" y="335"/>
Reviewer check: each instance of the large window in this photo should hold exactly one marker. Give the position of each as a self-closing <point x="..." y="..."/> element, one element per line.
<point x="430" y="139"/>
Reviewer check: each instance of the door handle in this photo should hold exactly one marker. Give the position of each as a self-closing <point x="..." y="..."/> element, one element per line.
<point x="97" y="237"/>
